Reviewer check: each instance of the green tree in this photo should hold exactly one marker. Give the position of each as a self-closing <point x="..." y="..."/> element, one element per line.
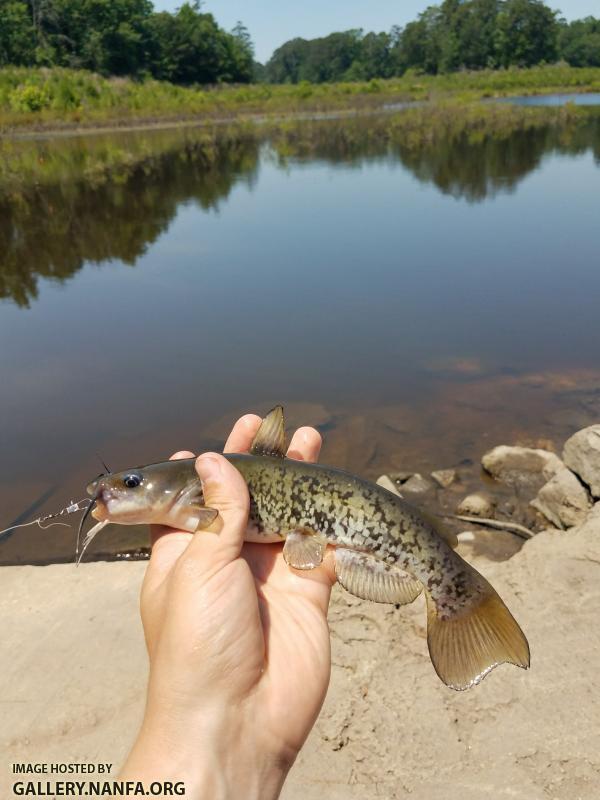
<point x="420" y="43"/>
<point x="477" y="26"/>
<point x="526" y="33"/>
<point x="328" y="58"/>
<point x="579" y="42"/>
<point x="107" y="36"/>
<point x="17" y="44"/>
<point x="242" y="54"/>
<point x="189" y="47"/>
<point x="373" y="60"/>
<point x="284" y="65"/>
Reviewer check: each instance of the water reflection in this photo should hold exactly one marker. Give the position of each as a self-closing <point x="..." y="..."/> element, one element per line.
<point x="107" y="198"/>
<point x="51" y="231"/>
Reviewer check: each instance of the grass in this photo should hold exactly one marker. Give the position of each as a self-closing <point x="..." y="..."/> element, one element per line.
<point x="61" y="98"/>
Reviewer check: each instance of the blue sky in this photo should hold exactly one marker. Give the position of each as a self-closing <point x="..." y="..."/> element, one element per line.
<point x="272" y="22"/>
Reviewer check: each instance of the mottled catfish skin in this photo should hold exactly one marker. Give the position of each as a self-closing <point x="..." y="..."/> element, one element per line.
<point x="386" y="550"/>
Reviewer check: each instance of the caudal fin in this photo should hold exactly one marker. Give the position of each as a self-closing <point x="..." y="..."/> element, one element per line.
<point x="466" y="647"/>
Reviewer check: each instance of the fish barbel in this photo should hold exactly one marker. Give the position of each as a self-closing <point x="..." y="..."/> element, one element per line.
<point x="385" y="550"/>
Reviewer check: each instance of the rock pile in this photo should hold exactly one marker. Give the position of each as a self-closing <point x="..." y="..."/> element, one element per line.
<point x="566" y="489"/>
<point x="531" y="487"/>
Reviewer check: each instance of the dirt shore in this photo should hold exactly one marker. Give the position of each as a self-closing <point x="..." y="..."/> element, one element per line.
<point x="73" y="672"/>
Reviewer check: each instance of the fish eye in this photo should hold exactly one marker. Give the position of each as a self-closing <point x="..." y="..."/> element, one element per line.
<point x="132" y="480"/>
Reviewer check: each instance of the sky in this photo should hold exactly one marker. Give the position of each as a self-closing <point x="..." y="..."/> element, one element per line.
<point x="273" y="22"/>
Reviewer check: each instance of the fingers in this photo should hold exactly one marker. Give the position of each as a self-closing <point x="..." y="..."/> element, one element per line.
<point x="305" y="445"/>
<point x="242" y="434"/>
<point x="225" y="490"/>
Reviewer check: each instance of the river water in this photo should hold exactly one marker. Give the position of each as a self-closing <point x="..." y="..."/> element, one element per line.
<point x="418" y="304"/>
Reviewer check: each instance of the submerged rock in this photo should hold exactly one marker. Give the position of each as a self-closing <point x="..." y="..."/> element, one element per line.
<point x="521" y="466"/>
<point x="444" y="477"/>
<point x="417" y="484"/>
<point x="582" y="454"/>
<point x="478" y="504"/>
<point x="563" y="500"/>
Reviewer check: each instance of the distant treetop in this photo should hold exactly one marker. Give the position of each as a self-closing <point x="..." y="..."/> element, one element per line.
<point x="455" y="35"/>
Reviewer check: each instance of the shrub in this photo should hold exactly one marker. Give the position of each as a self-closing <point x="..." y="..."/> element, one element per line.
<point x="28" y="98"/>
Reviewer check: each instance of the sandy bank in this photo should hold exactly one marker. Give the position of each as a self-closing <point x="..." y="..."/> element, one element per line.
<point x="73" y="670"/>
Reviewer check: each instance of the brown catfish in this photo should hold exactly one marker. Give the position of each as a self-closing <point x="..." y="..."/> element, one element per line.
<point x="385" y="550"/>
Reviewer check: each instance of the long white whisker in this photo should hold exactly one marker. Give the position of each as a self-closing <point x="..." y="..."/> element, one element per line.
<point x="89" y="536"/>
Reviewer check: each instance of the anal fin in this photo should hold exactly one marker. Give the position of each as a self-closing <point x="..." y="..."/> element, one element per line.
<point x="366" y="576"/>
<point x="303" y="549"/>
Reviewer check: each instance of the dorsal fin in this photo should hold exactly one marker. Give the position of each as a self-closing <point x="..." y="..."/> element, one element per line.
<point x="270" y="437"/>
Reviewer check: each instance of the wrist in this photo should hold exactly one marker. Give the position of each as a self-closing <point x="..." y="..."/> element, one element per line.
<point x="215" y="756"/>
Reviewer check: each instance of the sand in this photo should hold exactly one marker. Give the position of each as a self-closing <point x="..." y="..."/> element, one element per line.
<point x="73" y="671"/>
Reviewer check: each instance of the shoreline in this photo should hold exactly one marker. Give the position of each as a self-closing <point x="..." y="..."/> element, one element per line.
<point x="389" y="105"/>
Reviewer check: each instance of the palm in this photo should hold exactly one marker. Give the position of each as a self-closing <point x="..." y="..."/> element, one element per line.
<point x="293" y="611"/>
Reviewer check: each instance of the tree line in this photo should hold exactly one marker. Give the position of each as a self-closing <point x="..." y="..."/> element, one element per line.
<point x="124" y="37"/>
<point x="128" y="37"/>
<point x="455" y="35"/>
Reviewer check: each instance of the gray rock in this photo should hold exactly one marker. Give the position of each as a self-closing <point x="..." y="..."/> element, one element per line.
<point x="479" y="504"/>
<point x="563" y="500"/>
<point x="417" y="484"/>
<point x="444" y="477"/>
<point x="582" y="454"/>
<point x="521" y="466"/>
<point x="387" y="483"/>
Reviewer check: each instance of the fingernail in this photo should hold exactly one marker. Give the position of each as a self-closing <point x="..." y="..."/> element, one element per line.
<point x="208" y="467"/>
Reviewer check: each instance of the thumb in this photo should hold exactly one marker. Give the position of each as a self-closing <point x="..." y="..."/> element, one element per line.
<point x="225" y="490"/>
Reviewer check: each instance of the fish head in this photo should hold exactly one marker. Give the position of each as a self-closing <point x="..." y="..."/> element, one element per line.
<point x="158" y="493"/>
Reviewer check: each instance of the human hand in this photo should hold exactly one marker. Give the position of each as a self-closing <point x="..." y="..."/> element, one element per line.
<point x="238" y="645"/>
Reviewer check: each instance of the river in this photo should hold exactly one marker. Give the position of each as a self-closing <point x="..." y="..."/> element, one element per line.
<point x="418" y="304"/>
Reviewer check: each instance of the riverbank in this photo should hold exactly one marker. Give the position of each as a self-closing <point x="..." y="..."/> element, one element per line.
<point x="57" y="99"/>
<point x="39" y="159"/>
<point x="73" y="673"/>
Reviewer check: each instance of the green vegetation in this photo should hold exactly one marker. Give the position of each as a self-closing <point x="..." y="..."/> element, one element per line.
<point x="129" y="38"/>
<point x="452" y="36"/>
<point x="579" y="42"/>
<point x="124" y="37"/>
<point x="61" y="98"/>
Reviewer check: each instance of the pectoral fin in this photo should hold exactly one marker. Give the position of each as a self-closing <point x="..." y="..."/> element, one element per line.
<point x="303" y="550"/>
<point x="190" y="517"/>
<point x="270" y="437"/>
<point x="204" y="515"/>
<point x="368" y="577"/>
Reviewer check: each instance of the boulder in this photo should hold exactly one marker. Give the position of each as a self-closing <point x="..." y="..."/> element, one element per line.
<point x="523" y="467"/>
<point x="387" y="483"/>
<point x="479" y="504"/>
<point x="444" y="477"/>
<point x="563" y="500"/>
<point x="582" y="455"/>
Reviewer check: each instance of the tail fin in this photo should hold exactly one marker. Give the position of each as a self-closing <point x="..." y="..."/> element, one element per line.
<point x="466" y="647"/>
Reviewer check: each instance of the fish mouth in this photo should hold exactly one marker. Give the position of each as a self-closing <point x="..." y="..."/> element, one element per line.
<point x="102" y="507"/>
